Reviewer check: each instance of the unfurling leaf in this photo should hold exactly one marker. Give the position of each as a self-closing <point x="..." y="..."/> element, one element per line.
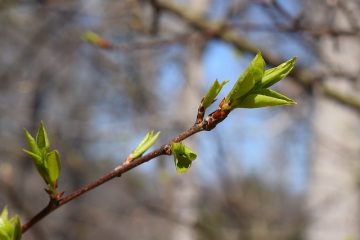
<point x="47" y="162"/>
<point x="273" y="75"/>
<point x="32" y="143"/>
<point x="183" y="157"/>
<point x="53" y="167"/>
<point x="95" y="39"/>
<point x="264" y="98"/>
<point x="42" y="139"/>
<point x="144" y="145"/>
<point x="10" y="229"/>
<point x="213" y="92"/>
<point x="251" y="76"/>
<point x="91" y="37"/>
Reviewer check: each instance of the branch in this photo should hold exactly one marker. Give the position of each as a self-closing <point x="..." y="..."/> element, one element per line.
<point x="117" y="172"/>
<point x="307" y="79"/>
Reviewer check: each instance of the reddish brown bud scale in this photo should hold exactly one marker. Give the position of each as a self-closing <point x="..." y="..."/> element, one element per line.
<point x="102" y="43"/>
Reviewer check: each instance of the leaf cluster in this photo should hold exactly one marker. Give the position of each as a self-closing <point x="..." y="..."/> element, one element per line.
<point x="46" y="161"/>
<point x="10" y="229"/>
<point x="251" y="89"/>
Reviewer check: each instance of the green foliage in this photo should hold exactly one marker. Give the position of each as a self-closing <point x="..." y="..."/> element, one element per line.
<point x="46" y="162"/>
<point x="144" y="145"/>
<point x="53" y="165"/>
<point x="183" y="156"/>
<point x="264" y="98"/>
<point x="91" y="37"/>
<point x="42" y="139"/>
<point x="10" y="229"/>
<point x="273" y="75"/>
<point x="252" y="75"/>
<point x="213" y="92"/>
<point x="250" y="90"/>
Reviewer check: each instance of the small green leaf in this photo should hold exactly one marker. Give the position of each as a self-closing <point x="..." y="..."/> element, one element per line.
<point x="264" y="98"/>
<point x="273" y="75"/>
<point x="144" y="145"/>
<point x="213" y="92"/>
<point x="53" y="166"/>
<point x="183" y="157"/>
<point x="37" y="158"/>
<point x="42" y="139"/>
<point x="10" y="229"/>
<point x="39" y="164"/>
<point x="32" y="143"/>
<point x="251" y="76"/>
<point x="91" y="37"/>
<point x="4" y="214"/>
<point x="17" y="227"/>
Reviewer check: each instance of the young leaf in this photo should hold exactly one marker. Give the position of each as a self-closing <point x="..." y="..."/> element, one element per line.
<point x="213" y="92"/>
<point x="95" y="39"/>
<point x="183" y="157"/>
<point x="53" y="166"/>
<point x="36" y="158"/>
<point x="10" y="229"/>
<point x="15" y="221"/>
<point x="252" y="75"/>
<point x="144" y="145"/>
<point x="4" y="214"/>
<point x="42" y="139"/>
<point x="273" y="75"/>
<point x="32" y="143"/>
<point x="264" y="98"/>
<point x="91" y="37"/>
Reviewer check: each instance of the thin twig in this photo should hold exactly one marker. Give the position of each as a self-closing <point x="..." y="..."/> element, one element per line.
<point x="117" y="172"/>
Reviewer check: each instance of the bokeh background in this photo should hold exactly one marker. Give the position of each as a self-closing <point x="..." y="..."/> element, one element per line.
<point x="284" y="173"/>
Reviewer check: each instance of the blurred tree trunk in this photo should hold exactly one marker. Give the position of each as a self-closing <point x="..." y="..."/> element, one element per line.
<point x="333" y="196"/>
<point x="186" y="193"/>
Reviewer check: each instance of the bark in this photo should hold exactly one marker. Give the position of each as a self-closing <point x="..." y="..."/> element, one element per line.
<point x="333" y="196"/>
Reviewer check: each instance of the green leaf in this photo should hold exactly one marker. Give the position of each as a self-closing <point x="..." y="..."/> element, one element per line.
<point x="273" y="75"/>
<point x="53" y="166"/>
<point x="213" y="92"/>
<point x="10" y="229"/>
<point x="37" y="158"/>
<point x="4" y="214"/>
<point x="144" y="145"/>
<point x="3" y="234"/>
<point x="183" y="157"/>
<point x="32" y="143"/>
<point x="42" y="139"/>
<point x="15" y="221"/>
<point x="264" y="98"/>
<point x="251" y="76"/>
<point x="91" y="37"/>
<point x="39" y="164"/>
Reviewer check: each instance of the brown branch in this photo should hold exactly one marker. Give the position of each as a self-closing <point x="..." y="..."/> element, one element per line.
<point x="307" y="79"/>
<point x="117" y="172"/>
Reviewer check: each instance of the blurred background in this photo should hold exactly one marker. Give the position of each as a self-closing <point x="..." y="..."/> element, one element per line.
<point x="284" y="173"/>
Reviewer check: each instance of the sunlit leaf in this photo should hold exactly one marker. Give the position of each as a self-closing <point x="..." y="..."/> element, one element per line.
<point x="144" y="145"/>
<point x="42" y="139"/>
<point x="37" y="158"/>
<point x="10" y="229"/>
<point x="264" y="98"/>
<point x="32" y="143"/>
<point x="273" y="75"/>
<point x="213" y="92"/>
<point x="53" y="166"/>
<point x="252" y="75"/>
<point x="91" y="37"/>
<point x="183" y="157"/>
